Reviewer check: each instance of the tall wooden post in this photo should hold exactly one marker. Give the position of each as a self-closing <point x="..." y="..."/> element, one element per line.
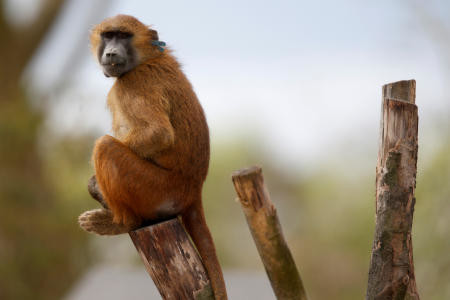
<point x="391" y="273"/>
<point x="172" y="261"/>
<point x="265" y="227"/>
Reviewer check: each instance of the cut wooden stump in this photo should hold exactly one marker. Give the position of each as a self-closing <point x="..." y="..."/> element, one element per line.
<point x="172" y="261"/>
<point x="391" y="273"/>
<point x="265" y="227"/>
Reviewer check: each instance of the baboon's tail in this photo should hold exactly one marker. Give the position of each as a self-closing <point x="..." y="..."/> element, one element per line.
<point x="195" y="223"/>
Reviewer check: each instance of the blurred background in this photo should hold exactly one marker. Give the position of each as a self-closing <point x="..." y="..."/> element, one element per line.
<point x="293" y="86"/>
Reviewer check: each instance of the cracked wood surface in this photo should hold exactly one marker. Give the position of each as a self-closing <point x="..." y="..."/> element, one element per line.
<point x="172" y="261"/>
<point x="391" y="273"/>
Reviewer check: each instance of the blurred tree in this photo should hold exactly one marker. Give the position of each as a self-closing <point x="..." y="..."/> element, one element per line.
<point x="38" y="242"/>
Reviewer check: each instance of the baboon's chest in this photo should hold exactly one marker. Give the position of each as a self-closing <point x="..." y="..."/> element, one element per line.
<point x="121" y="126"/>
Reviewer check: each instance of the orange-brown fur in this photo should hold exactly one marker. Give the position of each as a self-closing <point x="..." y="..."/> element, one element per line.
<point x="157" y="162"/>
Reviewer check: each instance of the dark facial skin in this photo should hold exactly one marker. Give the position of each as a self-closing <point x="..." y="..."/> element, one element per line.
<point x="116" y="54"/>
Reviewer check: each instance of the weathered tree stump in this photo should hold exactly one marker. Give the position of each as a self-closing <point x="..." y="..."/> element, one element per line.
<point x="172" y="261"/>
<point x="391" y="273"/>
<point x="265" y="227"/>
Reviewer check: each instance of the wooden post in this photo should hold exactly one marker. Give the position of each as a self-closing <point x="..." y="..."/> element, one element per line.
<point x="391" y="273"/>
<point x="266" y="231"/>
<point x="172" y="261"/>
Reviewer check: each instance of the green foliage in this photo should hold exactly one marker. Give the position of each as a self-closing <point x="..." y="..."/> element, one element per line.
<point x="42" y="249"/>
<point x="328" y="218"/>
<point x="431" y="230"/>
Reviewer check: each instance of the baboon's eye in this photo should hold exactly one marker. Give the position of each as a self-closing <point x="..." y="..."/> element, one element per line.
<point x="108" y="35"/>
<point x="123" y="35"/>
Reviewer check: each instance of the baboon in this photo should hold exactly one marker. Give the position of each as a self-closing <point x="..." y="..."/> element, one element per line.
<point x="155" y="165"/>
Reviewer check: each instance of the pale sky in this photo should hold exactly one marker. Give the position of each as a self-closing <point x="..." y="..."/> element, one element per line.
<point x="303" y="76"/>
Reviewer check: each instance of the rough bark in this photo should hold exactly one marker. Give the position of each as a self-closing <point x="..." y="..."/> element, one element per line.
<point x="172" y="261"/>
<point x="266" y="230"/>
<point x="391" y="273"/>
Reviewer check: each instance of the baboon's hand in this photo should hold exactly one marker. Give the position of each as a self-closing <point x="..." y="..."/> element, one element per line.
<point x="94" y="191"/>
<point x="100" y="221"/>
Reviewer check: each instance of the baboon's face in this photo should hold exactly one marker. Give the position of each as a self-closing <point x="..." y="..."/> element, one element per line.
<point x="116" y="53"/>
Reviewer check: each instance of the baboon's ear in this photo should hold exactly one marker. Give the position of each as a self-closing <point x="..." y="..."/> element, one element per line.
<point x="155" y="40"/>
<point x="154" y="34"/>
